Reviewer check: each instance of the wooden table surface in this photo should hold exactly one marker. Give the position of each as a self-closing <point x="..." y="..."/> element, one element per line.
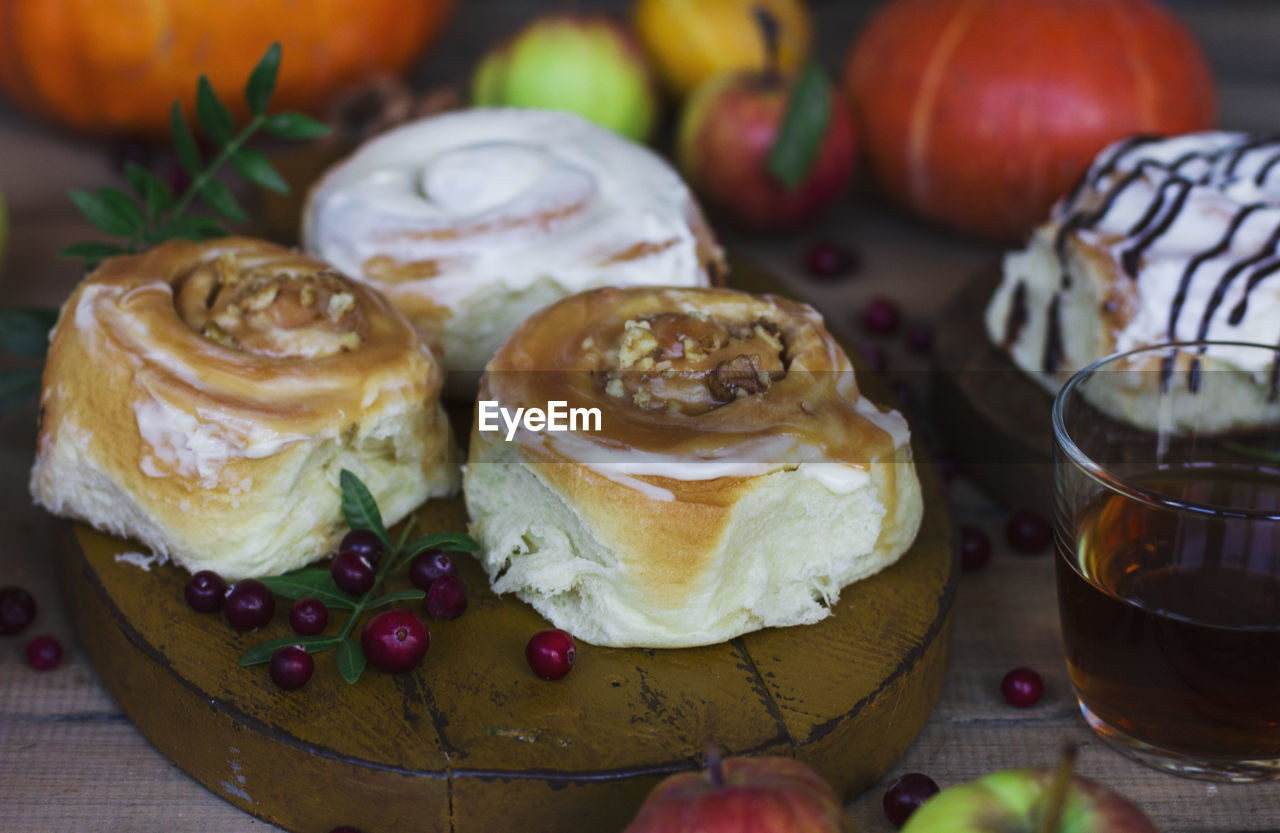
<point x="70" y="760"/>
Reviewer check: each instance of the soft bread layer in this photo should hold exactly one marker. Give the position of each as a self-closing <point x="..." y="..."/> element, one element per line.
<point x="460" y="215"/>
<point x="601" y="561"/>
<point x="207" y="447"/>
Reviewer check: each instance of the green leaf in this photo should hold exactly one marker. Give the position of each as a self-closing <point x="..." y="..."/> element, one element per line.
<point x="92" y="251"/>
<point x="294" y="126"/>
<point x="360" y="509"/>
<point x="316" y="582"/>
<point x="399" y="596"/>
<point x="218" y="196"/>
<point x="451" y="541"/>
<point x="1253" y="452"/>
<point x="212" y="114"/>
<point x="262" y="81"/>
<point x="255" y="168"/>
<point x="24" y="331"/>
<point x="259" y="654"/>
<point x="154" y="192"/>
<point x="110" y="210"/>
<point x="800" y="138"/>
<point x="350" y="660"/>
<point x="17" y="385"/>
<point x="183" y="143"/>
<point x="186" y="228"/>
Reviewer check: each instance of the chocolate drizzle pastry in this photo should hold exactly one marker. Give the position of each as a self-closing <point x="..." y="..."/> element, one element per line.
<point x="1161" y="240"/>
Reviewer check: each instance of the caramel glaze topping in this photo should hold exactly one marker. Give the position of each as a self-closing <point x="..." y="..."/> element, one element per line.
<point x="270" y="312"/>
<point x="238" y="325"/>
<point x="690" y="374"/>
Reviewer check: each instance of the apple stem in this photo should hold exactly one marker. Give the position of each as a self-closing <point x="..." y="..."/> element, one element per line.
<point x="715" y="763"/>
<point x="1056" y="798"/>
<point x="769" y="33"/>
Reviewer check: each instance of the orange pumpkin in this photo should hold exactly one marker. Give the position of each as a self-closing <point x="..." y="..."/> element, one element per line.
<point x="978" y="114"/>
<point x="115" y="66"/>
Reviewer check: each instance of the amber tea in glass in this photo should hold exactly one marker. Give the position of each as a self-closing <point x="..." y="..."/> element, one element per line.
<point x="1168" y="558"/>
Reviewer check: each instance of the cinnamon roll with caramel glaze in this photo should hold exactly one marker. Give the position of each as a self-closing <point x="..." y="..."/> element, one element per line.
<point x="202" y="399"/>
<point x="737" y="479"/>
<point x="469" y="221"/>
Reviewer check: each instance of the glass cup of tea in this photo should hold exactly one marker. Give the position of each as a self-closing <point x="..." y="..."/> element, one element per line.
<point x="1167" y="531"/>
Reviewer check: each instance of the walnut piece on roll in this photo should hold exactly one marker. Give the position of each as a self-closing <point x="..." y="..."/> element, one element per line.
<point x="1162" y="240"/>
<point x="737" y="479"/>
<point x="202" y="399"/>
<point x="469" y="221"/>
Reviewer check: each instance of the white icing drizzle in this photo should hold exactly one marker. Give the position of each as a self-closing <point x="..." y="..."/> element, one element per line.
<point x="458" y="189"/>
<point x="1192" y="224"/>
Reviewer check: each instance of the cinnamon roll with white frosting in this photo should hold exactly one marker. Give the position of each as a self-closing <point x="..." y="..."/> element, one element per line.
<point x="737" y="478"/>
<point x="1162" y="240"/>
<point x="471" y="220"/>
<point x="203" y="399"/>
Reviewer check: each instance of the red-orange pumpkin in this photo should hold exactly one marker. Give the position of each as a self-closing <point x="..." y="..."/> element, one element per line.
<point x="115" y="66"/>
<point x="978" y="114"/>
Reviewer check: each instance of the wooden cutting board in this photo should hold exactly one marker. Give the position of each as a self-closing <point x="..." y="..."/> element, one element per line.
<point x="472" y="740"/>
<point x="993" y="417"/>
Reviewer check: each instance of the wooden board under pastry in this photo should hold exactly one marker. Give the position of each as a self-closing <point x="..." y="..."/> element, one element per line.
<point x="471" y="740"/>
<point x="992" y="416"/>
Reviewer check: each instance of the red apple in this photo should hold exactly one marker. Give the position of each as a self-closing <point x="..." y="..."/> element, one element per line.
<point x="743" y="795"/>
<point x="1029" y="799"/>
<point x="727" y="131"/>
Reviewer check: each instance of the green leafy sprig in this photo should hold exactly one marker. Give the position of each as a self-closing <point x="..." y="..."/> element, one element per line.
<point x="361" y="512"/>
<point x="153" y="213"/>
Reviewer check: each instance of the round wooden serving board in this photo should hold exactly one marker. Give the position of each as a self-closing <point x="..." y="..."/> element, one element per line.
<point x="472" y="740"/>
<point x="993" y="417"/>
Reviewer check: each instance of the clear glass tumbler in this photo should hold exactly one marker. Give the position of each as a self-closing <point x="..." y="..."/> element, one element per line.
<point x="1167" y="526"/>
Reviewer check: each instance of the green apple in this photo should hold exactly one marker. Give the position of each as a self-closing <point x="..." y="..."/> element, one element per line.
<point x="768" y="794"/>
<point x="591" y="65"/>
<point x="1029" y="801"/>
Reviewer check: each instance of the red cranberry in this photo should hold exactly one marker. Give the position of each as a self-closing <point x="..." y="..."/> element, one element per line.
<point x="447" y="598"/>
<point x="828" y="260"/>
<point x="919" y="336"/>
<point x="205" y="592"/>
<point x="17" y="610"/>
<point x="395" y="641"/>
<point x="905" y="795"/>
<point x="551" y="653"/>
<point x="308" y="616"/>
<point x="173" y="174"/>
<point x="364" y="543"/>
<point x="1022" y="687"/>
<point x="903" y="393"/>
<point x="880" y="316"/>
<point x="426" y="567"/>
<point x="975" y="548"/>
<point x="1028" y="532"/>
<point x="249" y="605"/>
<point x="291" y="667"/>
<point x="947" y="465"/>
<point x="352" y="573"/>
<point x="44" y="653"/>
<point x="875" y="356"/>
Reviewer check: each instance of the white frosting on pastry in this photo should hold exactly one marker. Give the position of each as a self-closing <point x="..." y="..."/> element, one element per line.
<point x="1162" y="240"/>
<point x="463" y="203"/>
